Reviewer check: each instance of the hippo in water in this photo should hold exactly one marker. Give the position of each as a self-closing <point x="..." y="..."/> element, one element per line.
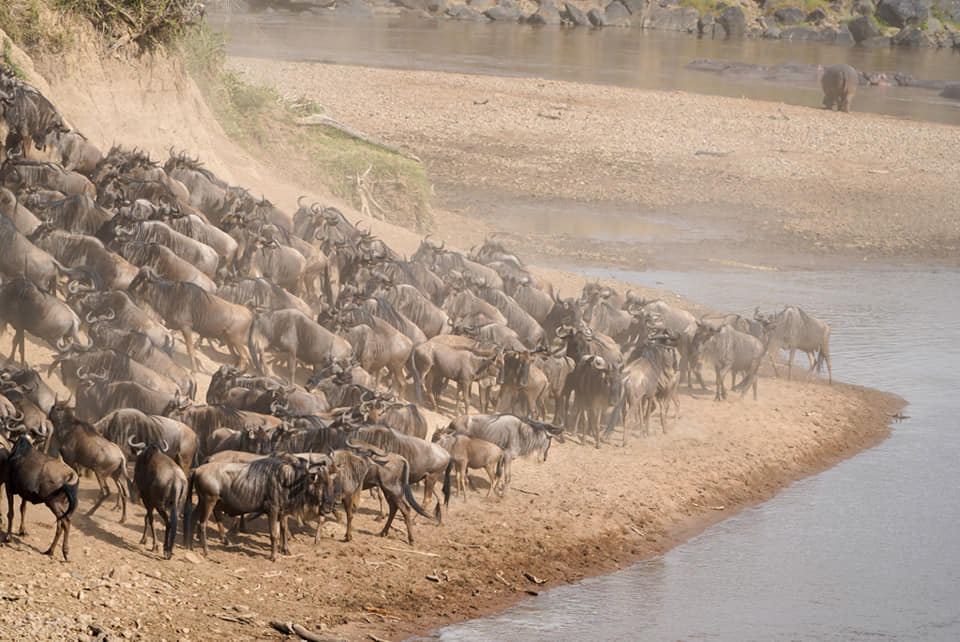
<point x="839" y="84"/>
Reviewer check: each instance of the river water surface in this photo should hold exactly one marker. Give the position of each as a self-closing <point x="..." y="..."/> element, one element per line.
<point x="869" y="549"/>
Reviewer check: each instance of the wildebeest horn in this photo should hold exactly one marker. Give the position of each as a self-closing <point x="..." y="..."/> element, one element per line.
<point x="136" y="445"/>
<point x="165" y="446"/>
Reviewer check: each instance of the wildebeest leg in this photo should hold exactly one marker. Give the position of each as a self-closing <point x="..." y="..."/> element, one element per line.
<point x="148" y="527"/>
<point x="16" y="342"/>
<point x="104" y="493"/>
<point x="274" y="517"/>
<point x="719" y="382"/>
<point x="122" y="497"/>
<point x="491" y="469"/>
<point x="285" y="535"/>
<point x="292" y="355"/>
<point x="392" y="503"/>
<point x="204" y="508"/>
<point x="23" y="514"/>
<point x="790" y="362"/>
<point x="350" y="505"/>
<point x="65" y="549"/>
<point x="9" y="513"/>
<point x="507" y="474"/>
<point x="191" y="355"/>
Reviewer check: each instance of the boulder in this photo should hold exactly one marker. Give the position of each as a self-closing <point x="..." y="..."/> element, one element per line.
<point x="863" y="28"/>
<point x="461" y="12"/>
<point x="672" y="19"/>
<point x="353" y="8"/>
<point x="817" y="16"/>
<point x="933" y="25"/>
<point x="800" y="33"/>
<point x="616" y="14"/>
<point x="635" y="6"/>
<point x="506" y="11"/>
<point x="595" y="16"/>
<point x="951" y="91"/>
<point x="789" y="16"/>
<point x="547" y="14"/>
<point x="901" y="13"/>
<point x="772" y="33"/>
<point x="864" y="7"/>
<point x="733" y="21"/>
<point x="843" y="36"/>
<point x="571" y="13"/>
<point x="705" y="24"/>
<point x="911" y="37"/>
<point x="413" y="5"/>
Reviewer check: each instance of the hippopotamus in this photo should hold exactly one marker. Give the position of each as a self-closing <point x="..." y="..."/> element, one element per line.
<point x="839" y="84"/>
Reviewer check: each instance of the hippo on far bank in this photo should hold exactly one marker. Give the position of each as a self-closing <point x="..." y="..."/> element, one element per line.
<point x="839" y="84"/>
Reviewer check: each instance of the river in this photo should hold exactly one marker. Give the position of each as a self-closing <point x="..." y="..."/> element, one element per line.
<point x="865" y="550"/>
<point x="616" y="56"/>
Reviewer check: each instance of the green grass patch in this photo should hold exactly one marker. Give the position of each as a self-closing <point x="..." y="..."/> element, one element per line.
<point x="702" y="6"/>
<point x="34" y="25"/>
<point x="372" y="179"/>
<point x="6" y="57"/>
<point x="145" y="22"/>
<point x="807" y="5"/>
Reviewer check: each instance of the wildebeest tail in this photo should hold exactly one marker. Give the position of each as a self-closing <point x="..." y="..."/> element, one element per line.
<point x="252" y="346"/>
<point x="417" y="384"/>
<point x="407" y="492"/>
<point x="446" y="483"/>
<point x="173" y="513"/>
<point x="70" y="490"/>
<point x="327" y="287"/>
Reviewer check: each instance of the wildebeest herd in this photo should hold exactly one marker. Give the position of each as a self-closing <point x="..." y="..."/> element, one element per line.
<point x="127" y="270"/>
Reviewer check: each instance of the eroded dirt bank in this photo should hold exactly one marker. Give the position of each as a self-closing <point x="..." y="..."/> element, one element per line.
<point x="583" y="512"/>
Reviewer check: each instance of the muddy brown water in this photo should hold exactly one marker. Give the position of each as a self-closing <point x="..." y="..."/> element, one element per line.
<point x="616" y="56"/>
<point x="865" y="550"/>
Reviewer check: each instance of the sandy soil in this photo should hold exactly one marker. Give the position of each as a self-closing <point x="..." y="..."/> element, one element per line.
<point x="584" y="511"/>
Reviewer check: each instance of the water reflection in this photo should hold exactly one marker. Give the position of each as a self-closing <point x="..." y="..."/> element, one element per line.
<point x="623" y="57"/>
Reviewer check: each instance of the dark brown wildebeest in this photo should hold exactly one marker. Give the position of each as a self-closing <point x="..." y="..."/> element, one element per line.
<point x="80" y="445"/>
<point x="37" y="478"/>
<point x="186" y="308"/>
<point x="162" y="486"/>
<point x="593" y="383"/>
<point x="275" y="486"/>
<point x="27" y="308"/>
<point x="523" y="385"/>
<point x="471" y="452"/>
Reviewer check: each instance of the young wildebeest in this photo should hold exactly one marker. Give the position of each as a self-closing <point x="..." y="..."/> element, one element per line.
<point x="37" y="478"/>
<point x="517" y="436"/>
<point x="469" y="452"/>
<point x="162" y="486"/>
<point x="80" y="444"/>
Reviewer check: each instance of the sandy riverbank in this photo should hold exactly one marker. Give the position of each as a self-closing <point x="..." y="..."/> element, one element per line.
<point x="584" y="511"/>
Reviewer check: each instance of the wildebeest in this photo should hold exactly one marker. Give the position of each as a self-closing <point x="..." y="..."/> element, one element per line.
<point x="650" y="377"/>
<point x="378" y="345"/>
<point x="114" y="365"/>
<point x="517" y="436"/>
<point x="295" y="336"/>
<point x="427" y="461"/>
<point x="413" y="304"/>
<point x="522" y="382"/>
<point x="469" y="452"/>
<point x="96" y="397"/>
<point x="261" y="293"/>
<point x="459" y="358"/>
<point x="23" y="219"/>
<point x="21" y="258"/>
<point x="72" y="250"/>
<point x="122" y="424"/>
<point x="80" y="445"/>
<point x="200" y="255"/>
<point x="594" y="383"/>
<point x="162" y="486"/>
<point x="16" y="172"/>
<point x="730" y="351"/>
<point x="793" y="329"/>
<point x="186" y="308"/>
<point x="839" y="84"/>
<point x="275" y="486"/>
<point x="37" y="478"/>
<point x="118" y="308"/>
<point x="164" y="261"/>
<point x="78" y="214"/>
<point x="27" y="308"/>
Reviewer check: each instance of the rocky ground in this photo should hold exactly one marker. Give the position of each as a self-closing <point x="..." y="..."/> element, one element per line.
<point x="880" y="23"/>
<point x="786" y="174"/>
